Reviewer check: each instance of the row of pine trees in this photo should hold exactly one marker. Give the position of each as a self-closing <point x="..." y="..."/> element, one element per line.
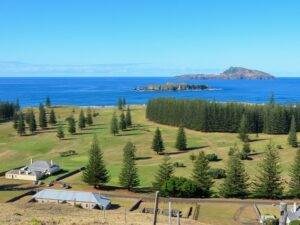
<point x="224" y="117"/>
<point x="267" y="183"/>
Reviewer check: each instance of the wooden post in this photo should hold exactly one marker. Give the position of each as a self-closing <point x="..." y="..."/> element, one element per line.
<point x="178" y="219"/>
<point x="170" y="213"/>
<point x="155" y="208"/>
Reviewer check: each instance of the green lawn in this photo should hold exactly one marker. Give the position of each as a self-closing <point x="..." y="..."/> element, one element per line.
<point x="16" y="151"/>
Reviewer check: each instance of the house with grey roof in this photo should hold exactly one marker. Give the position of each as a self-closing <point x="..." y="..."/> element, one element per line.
<point x="293" y="214"/>
<point x="87" y="200"/>
<point x="34" y="171"/>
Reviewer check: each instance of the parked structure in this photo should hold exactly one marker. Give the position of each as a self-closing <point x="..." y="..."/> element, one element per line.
<point x="34" y="171"/>
<point x="87" y="200"/>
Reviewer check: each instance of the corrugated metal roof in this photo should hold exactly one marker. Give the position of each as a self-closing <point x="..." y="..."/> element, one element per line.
<point x="79" y="196"/>
<point x="41" y="165"/>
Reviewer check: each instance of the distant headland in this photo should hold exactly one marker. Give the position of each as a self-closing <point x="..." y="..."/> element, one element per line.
<point x="233" y="73"/>
<point x="174" y="87"/>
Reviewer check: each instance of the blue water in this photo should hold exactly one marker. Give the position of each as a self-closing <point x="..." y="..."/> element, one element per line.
<point x="106" y="91"/>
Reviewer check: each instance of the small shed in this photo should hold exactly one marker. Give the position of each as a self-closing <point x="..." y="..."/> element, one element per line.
<point x="87" y="200"/>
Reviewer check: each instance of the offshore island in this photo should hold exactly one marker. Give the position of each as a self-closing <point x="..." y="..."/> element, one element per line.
<point x="233" y="73"/>
<point x="174" y="87"/>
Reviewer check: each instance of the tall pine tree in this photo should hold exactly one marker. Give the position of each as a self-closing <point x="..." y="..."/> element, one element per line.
<point x="201" y="175"/>
<point x="48" y="102"/>
<point x="114" y="129"/>
<point x="164" y="173"/>
<point x="32" y="122"/>
<point x="157" y="143"/>
<point x="235" y="184"/>
<point x="15" y="120"/>
<point x="72" y="125"/>
<point x="60" y="131"/>
<point x="89" y="118"/>
<point x="95" y="173"/>
<point x="292" y="139"/>
<point x="122" y="122"/>
<point x="295" y="176"/>
<point x="42" y="116"/>
<point x="81" y="120"/>
<point x="243" y="129"/>
<point x="128" y="117"/>
<point x="129" y="175"/>
<point x="268" y="183"/>
<point x="52" y="117"/>
<point x="181" y="139"/>
<point x="21" y="124"/>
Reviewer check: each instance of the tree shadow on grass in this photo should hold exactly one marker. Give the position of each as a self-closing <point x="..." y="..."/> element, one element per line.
<point x="143" y="158"/>
<point x="93" y="128"/>
<point x="196" y="148"/>
<point x="258" y="139"/>
<point x="83" y="133"/>
<point x="134" y="134"/>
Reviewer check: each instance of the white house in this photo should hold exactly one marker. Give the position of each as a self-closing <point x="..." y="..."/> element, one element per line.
<point x="34" y="171"/>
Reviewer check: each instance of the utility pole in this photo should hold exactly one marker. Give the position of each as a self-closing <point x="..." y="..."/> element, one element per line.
<point x="170" y="213"/>
<point x="155" y="207"/>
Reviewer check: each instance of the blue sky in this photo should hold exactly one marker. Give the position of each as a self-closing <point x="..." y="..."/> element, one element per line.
<point x="148" y="38"/>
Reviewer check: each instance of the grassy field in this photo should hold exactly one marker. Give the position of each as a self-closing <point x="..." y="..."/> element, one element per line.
<point x="16" y="151"/>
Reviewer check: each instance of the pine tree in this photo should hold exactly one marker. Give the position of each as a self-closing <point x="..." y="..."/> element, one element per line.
<point x="81" y="120"/>
<point x="157" y="143"/>
<point x="268" y="183"/>
<point x="95" y="173"/>
<point x="235" y="184"/>
<point x="201" y="175"/>
<point x="114" y="129"/>
<point x="129" y="175"/>
<point x="89" y="118"/>
<point x="243" y="129"/>
<point x="48" y="102"/>
<point x="128" y="117"/>
<point x="272" y="99"/>
<point x="42" y="116"/>
<point x="292" y="139"/>
<point x="52" y="117"/>
<point x="15" y="120"/>
<point x="295" y="176"/>
<point x="17" y="105"/>
<point x="21" y="124"/>
<point x="120" y="103"/>
<point x="60" y="131"/>
<point x="246" y="150"/>
<point x="32" y="122"/>
<point x="122" y="122"/>
<point x="72" y="125"/>
<point x="181" y="139"/>
<point x="164" y="173"/>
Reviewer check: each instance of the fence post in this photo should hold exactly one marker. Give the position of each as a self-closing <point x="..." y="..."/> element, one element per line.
<point x="155" y="208"/>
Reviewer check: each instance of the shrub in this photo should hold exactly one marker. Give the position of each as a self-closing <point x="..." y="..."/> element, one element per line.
<point x="67" y="153"/>
<point x="178" y="164"/>
<point x="212" y="157"/>
<point x="279" y="147"/>
<point x="217" y="173"/>
<point x="179" y="187"/>
<point x="192" y="157"/>
<point x="295" y="222"/>
<point x="270" y="221"/>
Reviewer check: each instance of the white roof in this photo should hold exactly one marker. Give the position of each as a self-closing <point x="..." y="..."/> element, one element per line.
<point x="79" y="196"/>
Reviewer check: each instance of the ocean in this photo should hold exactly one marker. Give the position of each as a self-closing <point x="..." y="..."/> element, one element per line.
<point x="104" y="91"/>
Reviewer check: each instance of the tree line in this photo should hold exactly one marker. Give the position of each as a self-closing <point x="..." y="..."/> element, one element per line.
<point x="8" y="109"/>
<point x="212" y="116"/>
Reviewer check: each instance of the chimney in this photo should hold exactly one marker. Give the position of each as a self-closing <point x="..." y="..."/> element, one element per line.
<point x="283" y="213"/>
<point x="295" y="207"/>
<point x="31" y="161"/>
<point x="51" y="162"/>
